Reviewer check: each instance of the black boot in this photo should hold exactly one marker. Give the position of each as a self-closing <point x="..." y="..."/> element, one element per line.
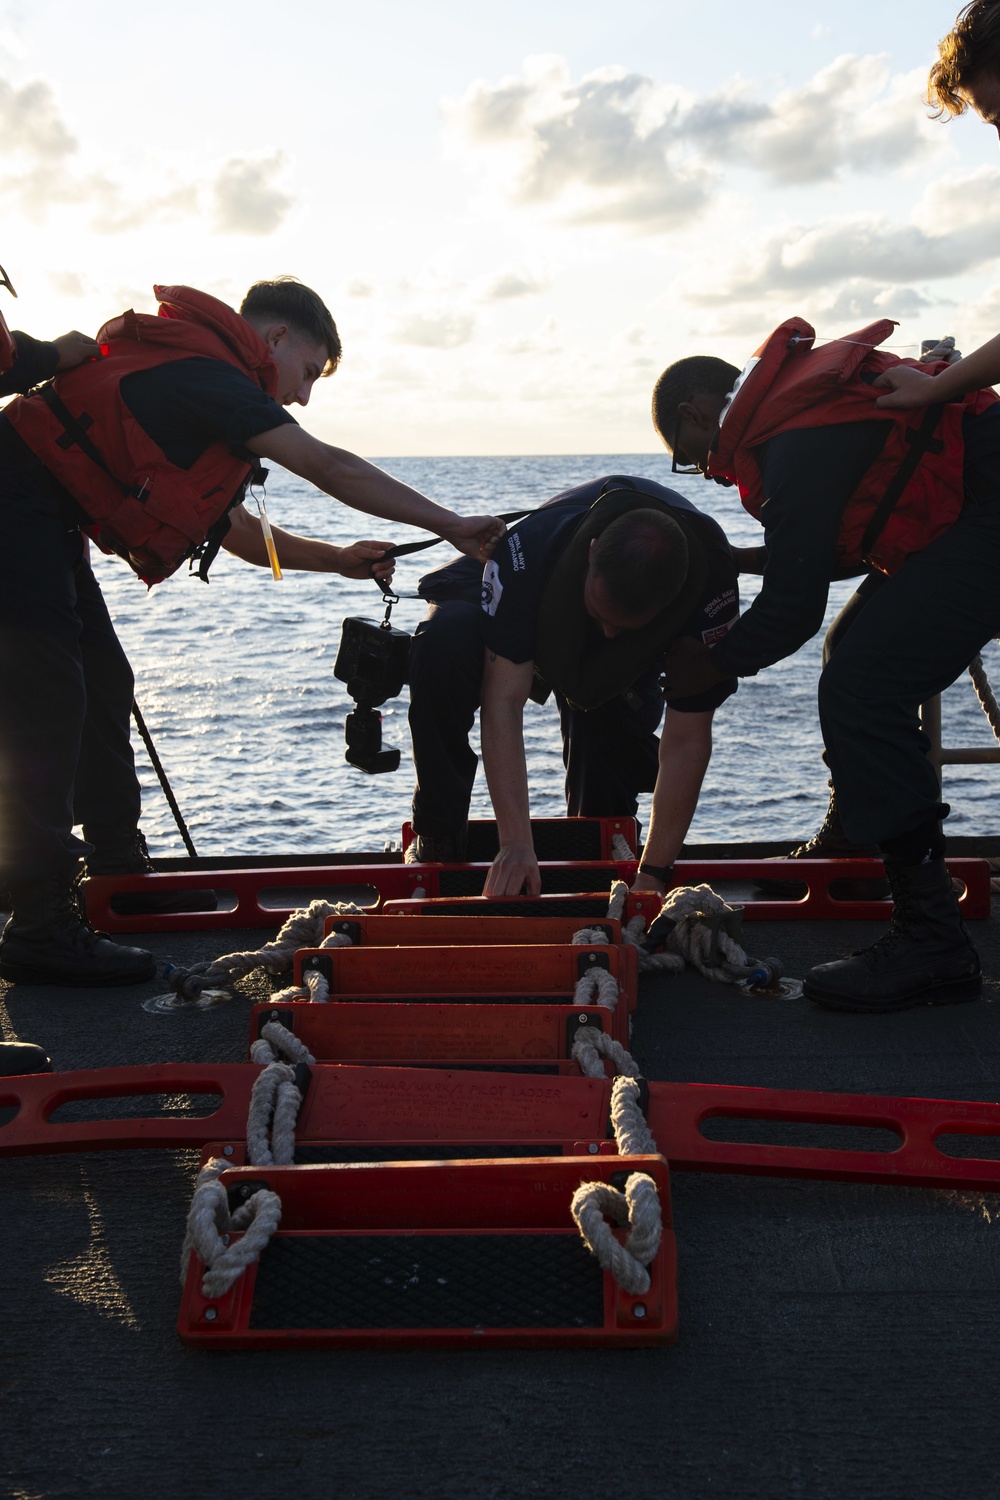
<point x="126" y="853"/>
<point x="925" y="958"/>
<point x="22" y="1057"/>
<point x="438" y="849"/>
<point x="46" y="942"/>
<point x="830" y="842"/>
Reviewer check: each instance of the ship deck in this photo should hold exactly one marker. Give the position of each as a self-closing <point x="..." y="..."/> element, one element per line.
<point x="835" y="1340"/>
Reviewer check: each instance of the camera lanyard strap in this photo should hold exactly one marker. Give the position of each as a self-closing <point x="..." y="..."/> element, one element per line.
<point x="388" y="593"/>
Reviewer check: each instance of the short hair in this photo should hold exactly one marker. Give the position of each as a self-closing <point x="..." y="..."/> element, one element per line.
<point x="699" y="375"/>
<point x="288" y="300"/>
<point x="641" y="559"/>
<point x="971" y="48"/>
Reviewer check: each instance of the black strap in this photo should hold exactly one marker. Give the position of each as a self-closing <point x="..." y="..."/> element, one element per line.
<point x="75" y="436"/>
<point x="921" y="440"/>
<point x="408" y="547"/>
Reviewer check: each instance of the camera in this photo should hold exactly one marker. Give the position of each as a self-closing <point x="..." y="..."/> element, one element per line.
<point x="373" y="660"/>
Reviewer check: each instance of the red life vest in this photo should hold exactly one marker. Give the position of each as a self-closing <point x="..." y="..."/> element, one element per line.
<point x="143" y="507"/>
<point x="8" y="349"/>
<point x="914" y="489"/>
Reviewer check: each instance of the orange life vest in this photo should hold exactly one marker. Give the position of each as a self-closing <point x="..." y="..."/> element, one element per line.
<point x="911" y="493"/>
<point x="8" y="349"/>
<point x="148" y="510"/>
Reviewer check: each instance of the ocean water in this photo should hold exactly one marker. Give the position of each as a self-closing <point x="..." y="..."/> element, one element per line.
<point x="235" y="681"/>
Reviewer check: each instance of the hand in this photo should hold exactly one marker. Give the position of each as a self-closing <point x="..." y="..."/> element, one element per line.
<point x="644" y="882"/>
<point x="74" y="348"/>
<point x="908" y="388"/>
<point x="476" y="536"/>
<point x="514" y="870"/>
<point x="688" y="669"/>
<point x="366" y="560"/>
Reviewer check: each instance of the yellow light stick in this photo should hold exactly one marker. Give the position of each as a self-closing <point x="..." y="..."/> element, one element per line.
<point x="272" y="551"/>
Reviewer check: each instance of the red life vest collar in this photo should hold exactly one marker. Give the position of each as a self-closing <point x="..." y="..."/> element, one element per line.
<point x="776" y="369"/>
<point x="186" y="315"/>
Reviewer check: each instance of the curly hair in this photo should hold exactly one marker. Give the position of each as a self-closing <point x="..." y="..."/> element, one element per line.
<point x="970" y="49"/>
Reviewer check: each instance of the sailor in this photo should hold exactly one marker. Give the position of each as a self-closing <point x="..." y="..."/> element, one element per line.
<point x="839" y="485"/>
<point x="24" y="362"/>
<point x="148" y="450"/>
<point x="581" y="598"/>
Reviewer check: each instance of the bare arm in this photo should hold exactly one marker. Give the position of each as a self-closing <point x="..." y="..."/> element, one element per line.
<point x="304" y="553"/>
<point x="908" y="387"/>
<point x="501" y="720"/>
<point x="685" y="750"/>
<point x="365" y="487"/>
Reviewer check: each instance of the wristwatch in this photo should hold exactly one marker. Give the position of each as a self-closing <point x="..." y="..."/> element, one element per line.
<point x="664" y="873"/>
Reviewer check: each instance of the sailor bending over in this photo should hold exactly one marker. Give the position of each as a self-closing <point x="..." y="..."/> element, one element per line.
<point x="582" y="599"/>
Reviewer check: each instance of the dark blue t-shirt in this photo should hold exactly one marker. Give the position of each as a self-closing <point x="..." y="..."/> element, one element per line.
<point x="515" y="578"/>
<point x="190" y="404"/>
<point x="36" y="361"/>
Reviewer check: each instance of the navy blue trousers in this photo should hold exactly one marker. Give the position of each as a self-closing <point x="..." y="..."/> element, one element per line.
<point x="610" y="754"/>
<point x="65" y="693"/>
<point x="896" y="643"/>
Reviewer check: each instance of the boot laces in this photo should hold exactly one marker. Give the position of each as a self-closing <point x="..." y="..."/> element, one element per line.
<point x="898" y="931"/>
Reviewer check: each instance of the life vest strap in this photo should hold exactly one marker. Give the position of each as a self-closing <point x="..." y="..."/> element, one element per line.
<point x="75" y="436"/>
<point x="922" y="441"/>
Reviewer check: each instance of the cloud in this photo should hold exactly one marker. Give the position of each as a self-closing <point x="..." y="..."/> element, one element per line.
<point x="859" y="301"/>
<point x="359" y="287"/>
<point x="802" y="259"/>
<point x="849" y="117"/>
<point x="42" y="156"/>
<point x="513" y="283"/>
<point x="445" y="330"/>
<point x="547" y="340"/>
<point x="595" y="148"/>
<point x="68" y="284"/>
<point x="624" y="148"/>
<point x="245" y="197"/>
<point x="31" y="124"/>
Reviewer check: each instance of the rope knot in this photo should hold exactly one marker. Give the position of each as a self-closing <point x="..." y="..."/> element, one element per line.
<point x="210" y="1225"/>
<point x="637" y="1209"/>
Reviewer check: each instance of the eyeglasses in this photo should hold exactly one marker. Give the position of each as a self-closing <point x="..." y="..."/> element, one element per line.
<point x="675" y="467"/>
<point x="5" y="281"/>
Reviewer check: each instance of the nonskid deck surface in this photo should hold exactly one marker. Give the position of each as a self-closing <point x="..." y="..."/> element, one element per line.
<point x="834" y="1340"/>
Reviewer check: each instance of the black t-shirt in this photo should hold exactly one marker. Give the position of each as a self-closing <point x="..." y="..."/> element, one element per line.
<point x="515" y="578"/>
<point x="190" y="404"/>
<point x="36" y="361"/>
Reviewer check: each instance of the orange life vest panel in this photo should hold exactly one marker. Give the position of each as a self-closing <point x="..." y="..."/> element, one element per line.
<point x="8" y="349"/>
<point x="148" y="510"/>
<point x="908" y="496"/>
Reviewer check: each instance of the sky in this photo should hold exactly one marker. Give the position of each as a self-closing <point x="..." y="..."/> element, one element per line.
<point x="519" y="214"/>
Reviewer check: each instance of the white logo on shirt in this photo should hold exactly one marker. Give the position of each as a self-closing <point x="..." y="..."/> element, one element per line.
<point x="492" y="588"/>
<point x="516" y="552"/>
